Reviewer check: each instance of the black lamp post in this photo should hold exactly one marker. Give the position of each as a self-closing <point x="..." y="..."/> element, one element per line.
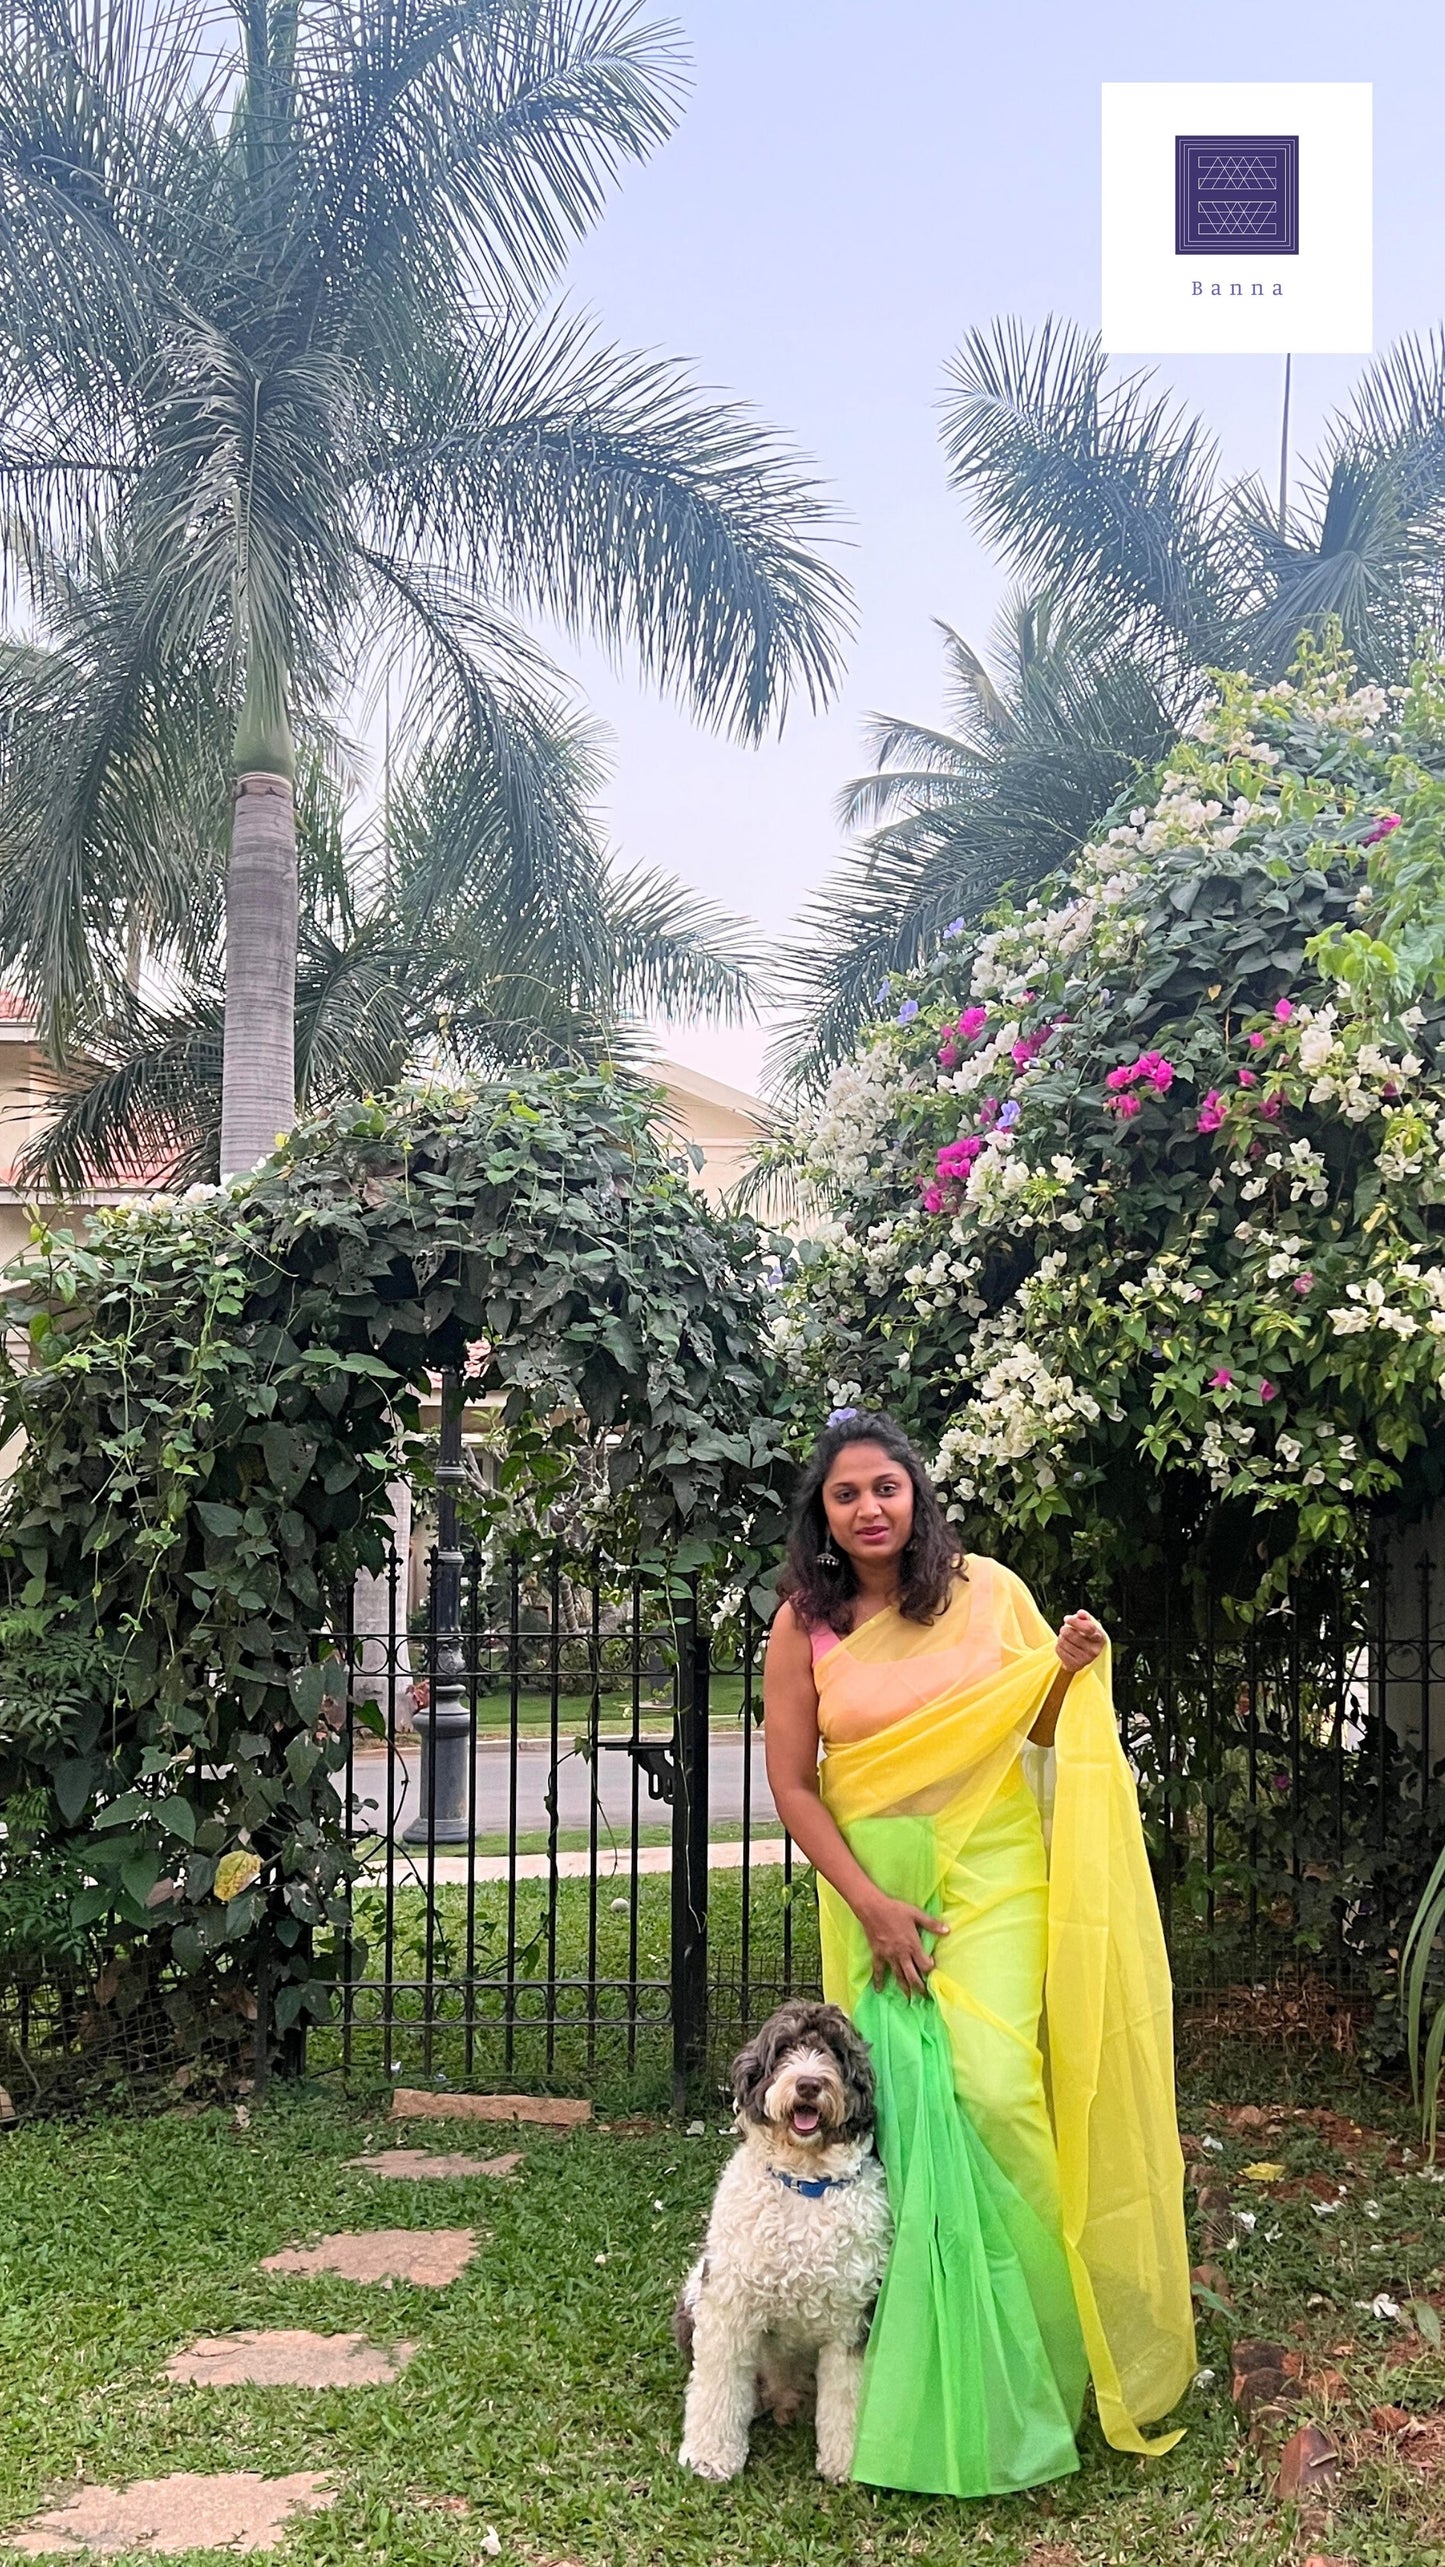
<point x="445" y="1782"/>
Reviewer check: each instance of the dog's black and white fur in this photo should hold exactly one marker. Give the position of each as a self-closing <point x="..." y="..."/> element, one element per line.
<point x="781" y="2295"/>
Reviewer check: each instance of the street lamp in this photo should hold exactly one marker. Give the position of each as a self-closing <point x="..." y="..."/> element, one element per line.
<point x="444" y="1813"/>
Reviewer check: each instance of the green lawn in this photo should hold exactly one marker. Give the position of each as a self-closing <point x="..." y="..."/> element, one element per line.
<point x="547" y="2396"/>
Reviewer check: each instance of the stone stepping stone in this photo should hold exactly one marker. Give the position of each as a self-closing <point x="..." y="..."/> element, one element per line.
<point x="161" y="2517"/>
<point x="428" y="2257"/>
<point x="286" y="2357"/>
<point x="558" y="2112"/>
<point x="416" y="2164"/>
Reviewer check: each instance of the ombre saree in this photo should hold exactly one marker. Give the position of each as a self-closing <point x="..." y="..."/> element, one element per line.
<point x="1026" y="2108"/>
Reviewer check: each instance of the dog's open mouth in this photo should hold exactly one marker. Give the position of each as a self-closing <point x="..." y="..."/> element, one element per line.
<point x="805" y="2121"/>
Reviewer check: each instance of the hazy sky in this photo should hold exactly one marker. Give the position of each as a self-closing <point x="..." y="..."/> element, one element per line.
<point x="852" y="188"/>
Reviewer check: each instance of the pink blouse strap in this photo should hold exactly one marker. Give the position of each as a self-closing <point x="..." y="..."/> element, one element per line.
<point x="821" y="1640"/>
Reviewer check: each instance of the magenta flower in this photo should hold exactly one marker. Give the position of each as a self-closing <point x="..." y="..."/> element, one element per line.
<point x="1211" y="1112"/>
<point x="1161" y="1075"/>
<point x="1268" y="1390"/>
<point x="1127" y="1105"/>
<point x="1304" y="1283"/>
<point x="933" y="1199"/>
<point x="1271" y="1106"/>
<point x="1257" y="1042"/>
<point x="971" y="1022"/>
<point x="1387" y="821"/>
<point x="1221" y="1380"/>
<point x="988" y="1112"/>
<point x="1123" y="1076"/>
<point x="1247" y="1078"/>
<point x="1283" y="1010"/>
<point x="948" y="1056"/>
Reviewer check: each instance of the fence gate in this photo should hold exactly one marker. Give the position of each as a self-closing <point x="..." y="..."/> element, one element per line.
<point x="571" y="1871"/>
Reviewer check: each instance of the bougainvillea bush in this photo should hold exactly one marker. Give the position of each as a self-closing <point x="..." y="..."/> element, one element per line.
<point x="209" y="1391"/>
<point x="1137" y="1196"/>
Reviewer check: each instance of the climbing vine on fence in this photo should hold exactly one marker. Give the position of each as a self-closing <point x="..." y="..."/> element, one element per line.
<point x="209" y="1399"/>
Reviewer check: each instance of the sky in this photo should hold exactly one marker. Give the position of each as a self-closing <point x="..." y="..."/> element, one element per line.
<point x="853" y="187"/>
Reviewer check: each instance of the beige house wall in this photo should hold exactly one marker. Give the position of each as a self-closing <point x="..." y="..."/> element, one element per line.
<point x="723" y="1122"/>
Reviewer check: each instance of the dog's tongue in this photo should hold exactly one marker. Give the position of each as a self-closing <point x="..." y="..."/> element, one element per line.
<point x="805" y="2121"/>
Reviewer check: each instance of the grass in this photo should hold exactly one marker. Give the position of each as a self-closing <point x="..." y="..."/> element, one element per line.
<point x="515" y="2035"/>
<point x="545" y="2399"/>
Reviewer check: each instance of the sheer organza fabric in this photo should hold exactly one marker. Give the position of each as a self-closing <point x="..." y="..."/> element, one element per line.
<point x="1027" y="2116"/>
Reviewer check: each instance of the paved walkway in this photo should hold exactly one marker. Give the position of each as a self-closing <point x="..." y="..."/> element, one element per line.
<point x="243" y="2510"/>
<point x="730" y="1768"/>
<point x="452" y="1870"/>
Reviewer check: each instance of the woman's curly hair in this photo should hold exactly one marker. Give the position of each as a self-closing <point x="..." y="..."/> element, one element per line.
<point x="821" y="1588"/>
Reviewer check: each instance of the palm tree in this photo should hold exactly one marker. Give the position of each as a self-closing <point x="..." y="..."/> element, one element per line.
<point x="285" y="403"/>
<point x="946" y="819"/>
<point x="1141" y="570"/>
<point x="427" y="943"/>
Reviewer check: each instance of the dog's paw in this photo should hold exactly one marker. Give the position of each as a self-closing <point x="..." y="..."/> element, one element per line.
<point x="717" y="2465"/>
<point x="835" y="2467"/>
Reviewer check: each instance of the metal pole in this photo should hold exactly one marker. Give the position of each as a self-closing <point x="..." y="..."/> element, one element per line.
<point x="689" y="1857"/>
<point x="1284" y="452"/>
<point x="444" y="1792"/>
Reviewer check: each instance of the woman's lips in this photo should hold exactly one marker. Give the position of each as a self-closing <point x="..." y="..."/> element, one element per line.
<point x="880" y="1533"/>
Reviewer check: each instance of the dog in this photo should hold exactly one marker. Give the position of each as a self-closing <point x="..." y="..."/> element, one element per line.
<point x="779" y="2301"/>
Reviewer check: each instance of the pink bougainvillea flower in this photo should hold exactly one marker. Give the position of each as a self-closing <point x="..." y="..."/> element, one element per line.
<point x="933" y="1199"/>
<point x="1257" y="1042"/>
<point x="1127" y="1105"/>
<point x="1283" y="1010"/>
<point x="1304" y="1283"/>
<point x="1123" y="1076"/>
<point x="1221" y="1380"/>
<point x="1248" y="1078"/>
<point x="1268" y="1390"/>
<point x="1161" y="1075"/>
<point x="948" y="1056"/>
<point x="1272" y="1105"/>
<point x="971" y="1022"/>
<point x="1387" y="821"/>
<point x="1211" y="1112"/>
<point x="1021" y="1053"/>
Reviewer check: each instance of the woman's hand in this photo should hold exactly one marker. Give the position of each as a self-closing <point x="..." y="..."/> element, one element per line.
<point x="1081" y="1640"/>
<point x="894" y="1929"/>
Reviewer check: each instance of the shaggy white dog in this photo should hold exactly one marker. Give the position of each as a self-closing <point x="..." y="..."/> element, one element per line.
<point x="798" y="2236"/>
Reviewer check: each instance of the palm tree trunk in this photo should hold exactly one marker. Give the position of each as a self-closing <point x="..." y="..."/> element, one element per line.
<point x="258" y="1076"/>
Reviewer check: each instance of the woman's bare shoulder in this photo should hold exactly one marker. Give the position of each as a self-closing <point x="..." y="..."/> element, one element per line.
<point x="788" y="1629"/>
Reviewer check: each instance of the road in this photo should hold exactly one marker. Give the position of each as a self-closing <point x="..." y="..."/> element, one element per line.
<point x="574" y="1795"/>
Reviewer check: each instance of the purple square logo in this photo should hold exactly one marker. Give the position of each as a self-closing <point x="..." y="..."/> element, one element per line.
<point x="1236" y="195"/>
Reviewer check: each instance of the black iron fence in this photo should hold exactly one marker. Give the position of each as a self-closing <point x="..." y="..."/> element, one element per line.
<point x="582" y="1876"/>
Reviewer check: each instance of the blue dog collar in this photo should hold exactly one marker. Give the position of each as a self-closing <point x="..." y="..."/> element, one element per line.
<point x="813" y="2187"/>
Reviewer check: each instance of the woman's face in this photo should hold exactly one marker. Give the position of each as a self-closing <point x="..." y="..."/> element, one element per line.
<point x="868" y="1501"/>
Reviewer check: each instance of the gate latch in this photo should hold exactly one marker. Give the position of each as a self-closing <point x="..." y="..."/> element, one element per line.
<point x="655" y="1757"/>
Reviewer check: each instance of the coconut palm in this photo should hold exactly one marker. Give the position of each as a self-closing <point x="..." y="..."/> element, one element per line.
<point x="947" y="818"/>
<point x="286" y="400"/>
<point x="427" y="944"/>
<point x="1141" y="569"/>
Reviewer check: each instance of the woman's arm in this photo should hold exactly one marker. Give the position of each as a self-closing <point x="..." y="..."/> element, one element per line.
<point x="790" y="1708"/>
<point x="1081" y="1640"/>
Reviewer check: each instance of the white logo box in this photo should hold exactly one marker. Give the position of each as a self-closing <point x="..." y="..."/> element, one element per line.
<point x="1158" y="301"/>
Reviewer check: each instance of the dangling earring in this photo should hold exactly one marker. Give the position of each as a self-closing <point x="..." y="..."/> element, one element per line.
<point x="828" y="1557"/>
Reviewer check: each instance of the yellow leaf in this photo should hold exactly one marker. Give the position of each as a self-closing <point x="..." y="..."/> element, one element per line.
<point x="1264" y="2172"/>
<point x="234" y="1873"/>
<point x="1215" y="987"/>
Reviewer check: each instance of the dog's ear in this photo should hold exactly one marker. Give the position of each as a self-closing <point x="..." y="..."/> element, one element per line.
<point x="856" y="2066"/>
<point x="752" y="2072"/>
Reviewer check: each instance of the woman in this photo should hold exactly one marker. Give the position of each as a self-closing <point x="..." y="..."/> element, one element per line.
<point x="989" y="1922"/>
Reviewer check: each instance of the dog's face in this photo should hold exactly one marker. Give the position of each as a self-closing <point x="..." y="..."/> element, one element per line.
<point x="806" y="2077"/>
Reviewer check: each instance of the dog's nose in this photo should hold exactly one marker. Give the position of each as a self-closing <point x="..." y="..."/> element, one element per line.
<point x="807" y="2090"/>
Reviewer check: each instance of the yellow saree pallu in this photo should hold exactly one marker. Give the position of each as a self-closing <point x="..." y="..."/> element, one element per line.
<point x="1026" y="2108"/>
